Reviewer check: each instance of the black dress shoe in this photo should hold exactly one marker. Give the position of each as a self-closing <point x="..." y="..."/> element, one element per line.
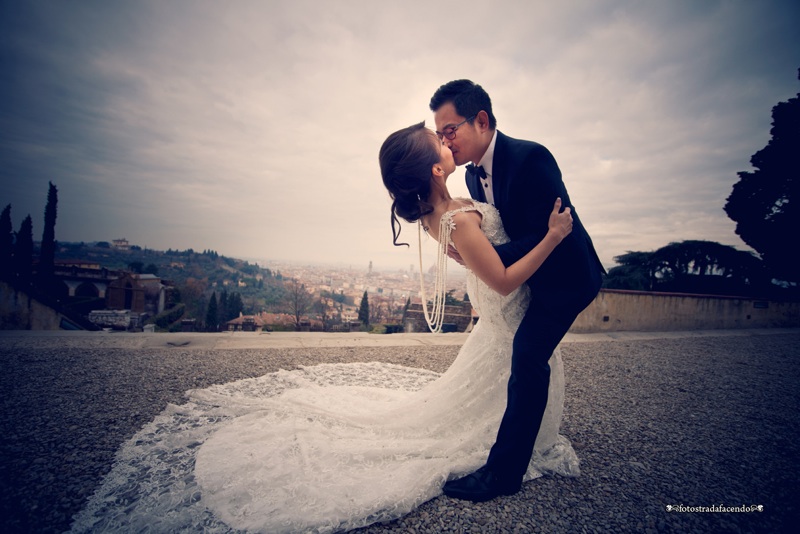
<point x="482" y="485"/>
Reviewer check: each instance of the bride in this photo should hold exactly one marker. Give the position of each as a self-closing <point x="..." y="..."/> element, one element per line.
<point x="333" y="447"/>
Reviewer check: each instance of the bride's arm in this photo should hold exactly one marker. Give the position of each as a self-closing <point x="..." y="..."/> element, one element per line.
<point x="481" y="258"/>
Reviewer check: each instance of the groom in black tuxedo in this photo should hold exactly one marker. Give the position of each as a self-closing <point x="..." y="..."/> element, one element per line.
<point x="522" y="180"/>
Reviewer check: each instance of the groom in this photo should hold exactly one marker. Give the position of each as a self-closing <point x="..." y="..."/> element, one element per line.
<point x="522" y="180"/>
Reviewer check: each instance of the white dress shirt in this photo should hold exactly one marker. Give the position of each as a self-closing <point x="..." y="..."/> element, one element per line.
<point x="486" y="162"/>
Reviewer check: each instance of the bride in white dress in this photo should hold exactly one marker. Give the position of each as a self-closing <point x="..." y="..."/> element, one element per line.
<point x="333" y="447"/>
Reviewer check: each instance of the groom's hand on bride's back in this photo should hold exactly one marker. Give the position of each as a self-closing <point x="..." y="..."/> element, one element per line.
<point x="453" y="254"/>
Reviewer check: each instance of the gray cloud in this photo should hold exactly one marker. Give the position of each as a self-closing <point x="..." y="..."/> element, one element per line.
<point x="253" y="128"/>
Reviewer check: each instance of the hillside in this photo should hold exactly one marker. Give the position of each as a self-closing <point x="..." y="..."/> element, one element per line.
<point x="196" y="274"/>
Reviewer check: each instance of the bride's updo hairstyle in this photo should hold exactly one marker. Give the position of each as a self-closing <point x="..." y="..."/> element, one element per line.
<point x="406" y="158"/>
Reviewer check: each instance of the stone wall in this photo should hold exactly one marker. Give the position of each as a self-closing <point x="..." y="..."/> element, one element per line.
<point x="456" y="318"/>
<point x="20" y="311"/>
<point x="612" y="311"/>
<point x="616" y="310"/>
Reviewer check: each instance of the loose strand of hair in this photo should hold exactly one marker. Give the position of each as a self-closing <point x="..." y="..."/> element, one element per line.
<point x="396" y="227"/>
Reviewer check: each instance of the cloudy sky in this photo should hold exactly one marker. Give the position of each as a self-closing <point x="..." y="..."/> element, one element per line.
<point x="252" y="127"/>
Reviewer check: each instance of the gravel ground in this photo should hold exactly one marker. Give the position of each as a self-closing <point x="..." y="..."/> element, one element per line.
<point x="687" y="422"/>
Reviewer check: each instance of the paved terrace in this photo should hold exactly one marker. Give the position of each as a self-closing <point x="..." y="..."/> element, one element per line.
<point x="682" y="419"/>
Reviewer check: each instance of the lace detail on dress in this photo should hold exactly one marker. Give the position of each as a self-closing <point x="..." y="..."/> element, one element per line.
<point x="491" y="224"/>
<point x="329" y="447"/>
<point x="484" y="299"/>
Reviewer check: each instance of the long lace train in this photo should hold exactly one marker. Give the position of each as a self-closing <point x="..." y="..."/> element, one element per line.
<point x="328" y="447"/>
<point x="323" y="448"/>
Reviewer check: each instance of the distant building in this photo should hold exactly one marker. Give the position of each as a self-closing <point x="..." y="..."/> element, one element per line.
<point x="246" y="323"/>
<point x="117" y="319"/>
<point x="270" y="321"/>
<point x="82" y="279"/>
<point x="130" y="300"/>
<point x="139" y="293"/>
<point x="77" y="264"/>
<point x="121" y="244"/>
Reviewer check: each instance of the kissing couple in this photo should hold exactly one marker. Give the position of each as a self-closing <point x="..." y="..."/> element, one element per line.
<point x="333" y="447"/>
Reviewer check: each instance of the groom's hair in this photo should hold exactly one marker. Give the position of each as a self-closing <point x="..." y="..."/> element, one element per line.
<point x="467" y="97"/>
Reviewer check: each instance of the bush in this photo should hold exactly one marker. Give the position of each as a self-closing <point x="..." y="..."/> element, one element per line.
<point x="167" y="317"/>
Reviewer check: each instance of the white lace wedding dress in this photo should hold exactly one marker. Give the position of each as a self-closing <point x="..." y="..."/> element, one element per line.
<point x="328" y="447"/>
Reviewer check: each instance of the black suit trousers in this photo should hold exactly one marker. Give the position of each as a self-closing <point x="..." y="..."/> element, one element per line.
<point x="553" y="308"/>
<point x="538" y="335"/>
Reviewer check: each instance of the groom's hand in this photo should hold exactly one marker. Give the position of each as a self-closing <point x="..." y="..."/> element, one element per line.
<point x="560" y="223"/>
<point x="453" y="253"/>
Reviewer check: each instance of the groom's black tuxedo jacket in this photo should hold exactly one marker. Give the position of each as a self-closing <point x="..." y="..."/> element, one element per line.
<point x="526" y="181"/>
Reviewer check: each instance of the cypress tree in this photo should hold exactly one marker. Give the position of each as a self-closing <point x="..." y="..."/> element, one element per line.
<point x="6" y="244"/>
<point x="222" y="307"/>
<point x="47" y="256"/>
<point x="235" y="305"/>
<point x="212" y="320"/>
<point x="363" y="310"/>
<point x="23" y="252"/>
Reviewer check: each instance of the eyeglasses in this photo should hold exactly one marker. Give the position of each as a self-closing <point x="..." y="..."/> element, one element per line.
<point x="449" y="133"/>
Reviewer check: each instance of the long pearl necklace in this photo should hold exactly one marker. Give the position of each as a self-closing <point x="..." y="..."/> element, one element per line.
<point x="436" y="318"/>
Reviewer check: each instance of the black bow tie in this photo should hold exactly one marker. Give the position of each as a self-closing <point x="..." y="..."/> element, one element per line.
<point x="477" y="170"/>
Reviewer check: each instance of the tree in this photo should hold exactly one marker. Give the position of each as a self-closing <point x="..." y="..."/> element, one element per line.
<point x="764" y="203"/>
<point x="450" y="299"/>
<point x="212" y="319"/>
<point x="625" y="276"/>
<point x="23" y="252"/>
<point x="322" y="307"/>
<point x="192" y="295"/>
<point x="363" y="310"/>
<point x="377" y="311"/>
<point x="222" y="307"/>
<point x="136" y="267"/>
<point x="689" y="267"/>
<point x="235" y="306"/>
<point x="298" y="300"/>
<point x="6" y="244"/>
<point x="47" y="256"/>
<point x="706" y="267"/>
<point x="635" y="272"/>
<point x="151" y="268"/>
<point x="405" y="310"/>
